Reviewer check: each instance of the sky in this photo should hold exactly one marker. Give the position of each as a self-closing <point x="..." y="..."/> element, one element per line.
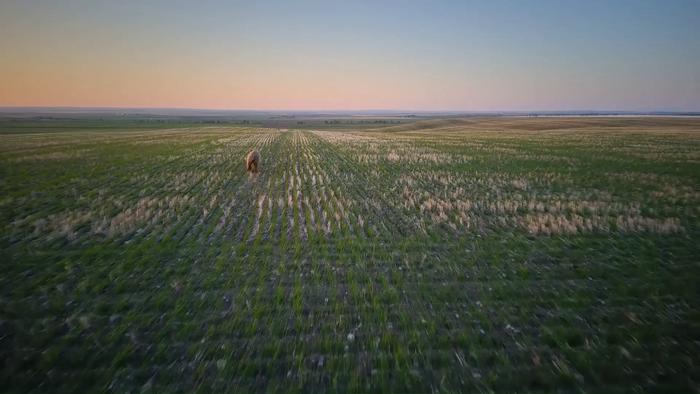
<point x="352" y="55"/>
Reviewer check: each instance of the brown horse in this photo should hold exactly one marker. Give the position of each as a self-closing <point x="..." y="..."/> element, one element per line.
<point x="252" y="161"/>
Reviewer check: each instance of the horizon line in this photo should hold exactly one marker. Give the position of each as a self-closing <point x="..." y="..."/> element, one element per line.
<point x="451" y="111"/>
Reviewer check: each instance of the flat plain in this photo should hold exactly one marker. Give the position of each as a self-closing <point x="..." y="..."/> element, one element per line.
<point x="480" y="254"/>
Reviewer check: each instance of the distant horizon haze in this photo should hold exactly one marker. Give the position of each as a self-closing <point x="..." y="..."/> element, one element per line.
<point x="12" y="111"/>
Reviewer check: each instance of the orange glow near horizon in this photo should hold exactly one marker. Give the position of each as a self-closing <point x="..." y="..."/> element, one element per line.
<point x="353" y="55"/>
<point x="108" y="85"/>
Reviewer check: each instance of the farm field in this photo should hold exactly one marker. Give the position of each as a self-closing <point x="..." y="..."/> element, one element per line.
<point x="480" y="254"/>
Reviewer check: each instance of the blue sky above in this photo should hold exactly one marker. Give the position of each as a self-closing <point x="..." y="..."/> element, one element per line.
<point x="433" y="55"/>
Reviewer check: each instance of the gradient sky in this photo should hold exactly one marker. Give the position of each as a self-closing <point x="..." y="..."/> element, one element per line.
<point x="410" y="55"/>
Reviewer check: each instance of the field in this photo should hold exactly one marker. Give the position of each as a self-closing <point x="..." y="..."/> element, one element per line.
<point x="482" y="254"/>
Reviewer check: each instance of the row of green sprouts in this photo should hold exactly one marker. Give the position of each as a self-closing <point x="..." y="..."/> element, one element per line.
<point x="334" y="184"/>
<point x="299" y="199"/>
<point x="204" y="190"/>
<point x="438" y="183"/>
